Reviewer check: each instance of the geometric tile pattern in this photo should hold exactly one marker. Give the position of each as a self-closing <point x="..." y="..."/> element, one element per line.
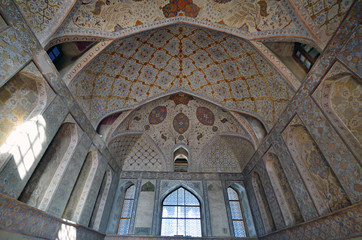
<point x="327" y="14"/>
<point x="43" y="16"/>
<point x="219" y="158"/>
<point x="197" y="136"/>
<point x="143" y="157"/>
<point x="218" y="66"/>
<point x="243" y="150"/>
<point x="121" y="146"/>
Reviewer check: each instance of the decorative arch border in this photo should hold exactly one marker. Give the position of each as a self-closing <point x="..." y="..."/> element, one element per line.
<point x="290" y="78"/>
<point x="87" y="187"/>
<point x="102" y="204"/>
<point x="325" y="106"/>
<point x="283" y="204"/>
<point x="268" y="226"/>
<point x="317" y="200"/>
<point x="59" y="173"/>
<point x="185" y="91"/>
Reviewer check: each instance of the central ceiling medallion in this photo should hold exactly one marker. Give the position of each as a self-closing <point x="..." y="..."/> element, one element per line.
<point x="205" y="116"/>
<point x="181" y="123"/>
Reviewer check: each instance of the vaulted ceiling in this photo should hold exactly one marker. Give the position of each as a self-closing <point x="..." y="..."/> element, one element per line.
<point x="155" y="53"/>
<point x="216" y="66"/>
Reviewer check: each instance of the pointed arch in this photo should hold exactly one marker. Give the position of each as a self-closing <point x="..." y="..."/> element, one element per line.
<point x="46" y="178"/>
<point x="181" y="214"/>
<point x="283" y="193"/>
<point x="325" y="189"/>
<point x="263" y="205"/>
<point x="101" y="200"/>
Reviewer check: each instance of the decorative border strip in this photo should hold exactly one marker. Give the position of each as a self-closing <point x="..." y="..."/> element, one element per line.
<point x="54" y="183"/>
<point x="181" y="176"/>
<point x="102" y="204"/>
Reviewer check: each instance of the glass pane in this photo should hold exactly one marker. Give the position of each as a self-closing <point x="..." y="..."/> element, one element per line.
<point x="123" y="227"/>
<point x="130" y="192"/>
<point x="181" y="196"/>
<point x="127" y="209"/>
<point x="307" y="64"/>
<point x="181" y="212"/>
<point x="193" y="228"/>
<point x="169" y="212"/>
<point x="298" y="54"/>
<point x="232" y="194"/>
<point x="190" y="199"/>
<point x="169" y="227"/>
<point x="181" y="227"/>
<point x="192" y="212"/>
<point x="171" y="199"/>
<point x="239" y="229"/>
<point x="56" y="51"/>
<point x="235" y="210"/>
<point x="313" y="53"/>
<point x="302" y="58"/>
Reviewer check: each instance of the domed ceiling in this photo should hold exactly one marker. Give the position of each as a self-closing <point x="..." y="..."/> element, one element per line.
<point x="146" y="139"/>
<point x="216" y="66"/>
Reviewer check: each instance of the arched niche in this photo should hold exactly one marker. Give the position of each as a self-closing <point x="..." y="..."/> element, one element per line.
<point x="97" y="220"/>
<point x="180" y="159"/>
<point x="22" y="100"/>
<point x="262" y="202"/>
<point x="43" y="184"/>
<point x="321" y="182"/>
<point x="245" y="207"/>
<point x="115" y="215"/>
<point x="80" y="199"/>
<point x="339" y="96"/>
<point x="283" y="192"/>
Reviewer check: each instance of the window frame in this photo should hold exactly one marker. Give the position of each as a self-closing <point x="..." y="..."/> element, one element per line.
<point x="241" y="211"/>
<point x="132" y="207"/>
<point x="200" y="206"/>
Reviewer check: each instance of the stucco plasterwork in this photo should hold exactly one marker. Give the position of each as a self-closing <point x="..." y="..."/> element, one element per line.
<point x="196" y="137"/>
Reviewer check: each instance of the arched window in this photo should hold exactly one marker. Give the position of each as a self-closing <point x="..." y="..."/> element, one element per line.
<point x="126" y="212"/>
<point x="237" y="215"/>
<point x="181" y="214"/>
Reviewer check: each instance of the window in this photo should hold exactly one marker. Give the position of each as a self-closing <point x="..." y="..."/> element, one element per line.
<point x="236" y="213"/>
<point x="181" y="214"/>
<point x="126" y="211"/>
<point x="305" y="55"/>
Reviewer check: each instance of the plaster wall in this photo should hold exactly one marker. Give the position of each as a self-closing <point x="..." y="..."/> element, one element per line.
<point x="218" y="216"/>
<point x="143" y="222"/>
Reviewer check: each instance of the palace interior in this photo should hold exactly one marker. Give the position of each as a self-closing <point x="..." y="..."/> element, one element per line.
<point x="180" y="119"/>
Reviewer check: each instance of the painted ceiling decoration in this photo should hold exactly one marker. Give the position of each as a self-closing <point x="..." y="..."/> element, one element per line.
<point x="180" y="126"/>
<point x="206" y="116"/>
<point x="45" y="17"/>
<point x="249" y="19"/>
<point x="215" y="66"/>
<point x="181" y="123"/>
<point x="157" y="115"/>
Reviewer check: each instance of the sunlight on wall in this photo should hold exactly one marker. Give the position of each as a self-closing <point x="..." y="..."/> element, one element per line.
<point x="24" y="144"/>
<point x="67" y="232"/>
